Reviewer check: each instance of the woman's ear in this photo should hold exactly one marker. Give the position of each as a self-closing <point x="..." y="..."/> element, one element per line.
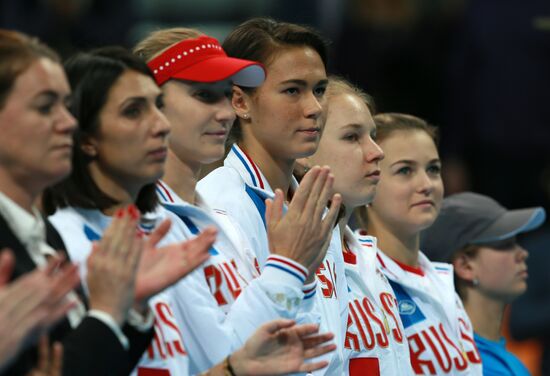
<point x="464" y="267"/>
<point x="240" y="102"/>
<point x="89" y="147"/>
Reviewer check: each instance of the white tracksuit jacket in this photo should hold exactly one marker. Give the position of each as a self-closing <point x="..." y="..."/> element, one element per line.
<point x="78" y="229"/>
<point x="228" y="300"/>
<point x="438" y="329"/>
<point x="240" y="189"/>
<point x="375" y="342"/>
<point x="208" y="314"/>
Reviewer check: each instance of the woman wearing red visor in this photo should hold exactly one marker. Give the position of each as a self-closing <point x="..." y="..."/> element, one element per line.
<point x="224" y="302"/>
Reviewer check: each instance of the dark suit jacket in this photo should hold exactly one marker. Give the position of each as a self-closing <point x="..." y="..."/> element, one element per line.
<point x="91" y="348"/>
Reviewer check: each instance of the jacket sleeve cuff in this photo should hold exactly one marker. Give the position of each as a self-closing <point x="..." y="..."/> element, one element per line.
<point x="309" y="290"/>
<point x="111" y="323"/>
<point x="281" y="269"/>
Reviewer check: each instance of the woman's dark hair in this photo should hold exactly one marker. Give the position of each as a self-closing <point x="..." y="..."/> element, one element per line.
<point x="17" y="52"/>
<point x="261" y="39"/>
<point x="91" y="76"/>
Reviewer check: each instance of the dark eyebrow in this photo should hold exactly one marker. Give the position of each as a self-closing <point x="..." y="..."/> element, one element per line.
<point x="48" y="94"/>
<point x="322" y="83"/>
<point x="409" y="162"/>
<point x="303" y="82"/>
<point x="295" y="82"/>
<point x="138" y="100"/>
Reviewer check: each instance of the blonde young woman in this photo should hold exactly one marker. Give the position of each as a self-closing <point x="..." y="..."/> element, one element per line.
<point x="230" y="298"/>
<point x="277" y="123"/>
<point x="375" y="343"/>
<point x="408" y="199"/>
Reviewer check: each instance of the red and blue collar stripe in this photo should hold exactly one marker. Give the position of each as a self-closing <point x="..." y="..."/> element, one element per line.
<point x="366" y="242"/>
<point x="250" y="166"/>
<point x="164" y="192"/>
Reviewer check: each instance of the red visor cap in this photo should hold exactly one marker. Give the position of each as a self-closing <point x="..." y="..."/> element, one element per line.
<point x="202" y="59"/>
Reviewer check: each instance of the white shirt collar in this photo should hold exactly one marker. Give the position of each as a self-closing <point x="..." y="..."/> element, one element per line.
<point x="29" y="228"/>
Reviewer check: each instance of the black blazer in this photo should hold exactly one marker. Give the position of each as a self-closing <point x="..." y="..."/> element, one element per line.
<point x="90" y="349"/>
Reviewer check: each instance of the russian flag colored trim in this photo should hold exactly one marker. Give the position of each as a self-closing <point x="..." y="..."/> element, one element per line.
<point x="249" y="165"/>
<point x="310" y="290"/>
<point x="164" y="192"/>
<point x="287" y="265"/>
<point x="366" y="242"/>
<point x="442" y="270"/>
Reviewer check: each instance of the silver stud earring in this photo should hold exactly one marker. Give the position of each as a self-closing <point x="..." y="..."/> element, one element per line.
<point x="245" y="116"/>
<point x="475" y="282"/>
